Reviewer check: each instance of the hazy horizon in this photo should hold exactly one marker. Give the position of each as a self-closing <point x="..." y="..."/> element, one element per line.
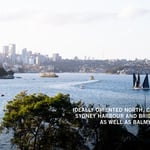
<point x="100" y="29"/>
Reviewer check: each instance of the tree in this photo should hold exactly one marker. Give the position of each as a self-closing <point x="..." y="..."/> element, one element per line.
<point x="42" y="122"/>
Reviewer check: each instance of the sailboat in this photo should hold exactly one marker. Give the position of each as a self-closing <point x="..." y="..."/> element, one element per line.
<point x="146" y="82"/>
<point x="136" y="82"/>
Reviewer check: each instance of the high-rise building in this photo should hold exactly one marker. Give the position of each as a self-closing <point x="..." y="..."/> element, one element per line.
<point x="12" y="53"/>
<point x="25" y="58"/>
<point x="12" y="49"/>
<point x="31" y="60"/>
<point x="56" y="57"/>
<point x="5" y="50"/>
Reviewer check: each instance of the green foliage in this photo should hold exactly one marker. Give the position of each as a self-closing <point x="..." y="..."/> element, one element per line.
<point x="41" y="122"/>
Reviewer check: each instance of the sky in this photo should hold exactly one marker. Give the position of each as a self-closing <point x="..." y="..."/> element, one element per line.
<point x="96" y="29"/>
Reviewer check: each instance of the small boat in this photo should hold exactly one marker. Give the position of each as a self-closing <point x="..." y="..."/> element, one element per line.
<point x="18" y="77"/>
<point x="82" y="87"/>
<point x="136" y="82"/>
<point x="48" y="74"/>
<point x="91" y="77"/>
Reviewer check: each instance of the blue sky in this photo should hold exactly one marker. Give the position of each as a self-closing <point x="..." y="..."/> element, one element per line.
<point x="100" y="29"/>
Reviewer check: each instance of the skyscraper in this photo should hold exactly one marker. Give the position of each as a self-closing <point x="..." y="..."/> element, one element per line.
<point x="12" y="53"/>
<point x="24" y="56"/>
<point x="5" y="50"/>
<point x="56" y="57"/>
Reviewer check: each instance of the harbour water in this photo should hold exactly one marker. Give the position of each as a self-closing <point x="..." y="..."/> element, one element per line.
<point x="105" y="89"/>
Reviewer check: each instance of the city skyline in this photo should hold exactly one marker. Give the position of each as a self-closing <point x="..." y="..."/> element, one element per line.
<point x="10" y="49"/>
<point x="97" y="29"/>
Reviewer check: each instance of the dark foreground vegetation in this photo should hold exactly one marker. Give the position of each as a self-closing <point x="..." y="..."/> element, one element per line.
<point x="40" y="122"/>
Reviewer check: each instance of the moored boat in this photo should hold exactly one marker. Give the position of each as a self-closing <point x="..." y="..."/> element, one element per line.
<point x="48" y="74"/>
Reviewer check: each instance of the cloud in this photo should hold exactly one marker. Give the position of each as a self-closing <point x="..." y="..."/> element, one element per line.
<point x="74" y="17"/>
<point x="90" y="17"/>
<point x="53" y="18"/>
<point x="15" y="15"/>
<point x="132" y="12"/>
<point x="63" y="18"/>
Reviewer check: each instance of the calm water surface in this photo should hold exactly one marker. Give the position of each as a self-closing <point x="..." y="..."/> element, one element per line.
<point x="113" y="90"/>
